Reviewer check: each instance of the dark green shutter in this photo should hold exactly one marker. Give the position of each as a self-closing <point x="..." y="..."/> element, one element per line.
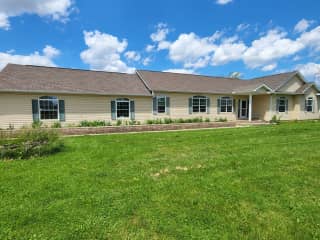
<point x="168" y="105"/>
<point x="218" y="105"/>
<point x="154" y="105"/>
<point x="190" y="105"/>
<point x="208" y="105"/>
<point x="234" y="106"/>
<point x="132" y="111"/>
<point x="35" y="110"/>
<point x="113" y="110"/>
<point x="313" y="105"/>
<point x="278" y="104"/>
<point x="305" y="105"/>
<point x="287" y="104"/>
<point x="62" y="115"/>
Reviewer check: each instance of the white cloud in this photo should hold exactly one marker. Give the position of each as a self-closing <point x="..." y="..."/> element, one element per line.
<point x="223" y="2"/>
<point x="180" y="70"/>
<point x="51" y="52"/>
<point x="302" y="25"/>
<point x="55" y="9"/>
<point x="36" y="58"/>
<point x="243" y="26"/>
<point x="270" y="48"/>
<point x="311" y="38"/>
<point x="191" y="50"/>
<point x="310" y="70"/>
<point x="269" y="67"/>
<point x="159" y="38"/>
<point x="150" y="48"/>
<point x="228" y="51"/>
<point x="104" y="52"/>
<point x="146" y="61"/>
<point x="133" y="56"/>
<point x="161" y="33"/>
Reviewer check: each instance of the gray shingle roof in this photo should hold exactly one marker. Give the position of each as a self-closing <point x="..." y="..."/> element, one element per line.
<point x="60" y="80"/>
<point x="21" y="78"/>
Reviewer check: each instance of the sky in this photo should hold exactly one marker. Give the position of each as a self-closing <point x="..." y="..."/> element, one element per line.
<point x="209" y="37"/>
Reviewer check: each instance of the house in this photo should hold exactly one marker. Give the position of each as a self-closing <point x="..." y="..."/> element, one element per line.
<point x="50" y="94"/>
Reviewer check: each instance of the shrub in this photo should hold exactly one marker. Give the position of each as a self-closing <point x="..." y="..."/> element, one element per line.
<point x="97" y="123"/>
<point x="275" y="119"/>
<point x="207" y="119"/>
<point x="221" y="119"/>
<point x="119" y="122"/>
<point x="168" y="121"/>
<point x="37" y="124"/>
<point x="31" y="143"/>
<point x="56" y="125"/>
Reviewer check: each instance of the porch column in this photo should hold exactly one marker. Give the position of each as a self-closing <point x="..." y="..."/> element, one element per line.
<point x="250" y="107"/>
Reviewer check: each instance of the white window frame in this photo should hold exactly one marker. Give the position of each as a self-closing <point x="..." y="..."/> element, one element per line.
<point x="286" y="103"/>
<point x="232" y="107"/>
<point x="308" y="105"/>
<point x="165" y="104"/>
<point x="123" y="100"/>
<point x="48" y="99"/>
<point x="200" y="97"/>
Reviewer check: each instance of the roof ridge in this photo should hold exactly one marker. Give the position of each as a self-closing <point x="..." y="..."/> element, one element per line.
<point x="66" y="68"/>
<point x="192" y="74"/>
<point x="273" y="75"/>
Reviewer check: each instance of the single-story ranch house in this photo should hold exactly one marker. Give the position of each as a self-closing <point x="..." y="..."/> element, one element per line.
<point x="50" y="94"/>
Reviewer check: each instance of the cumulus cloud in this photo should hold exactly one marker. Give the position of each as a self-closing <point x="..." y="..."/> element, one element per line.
<point x="159" y="38"/>
<point x="191" y="50"/>
<point x="133" y="56"/>
<point x="104" y="52"/>
<point x="311" y="38"/>
<point x="146" y="61"/>
<point x="270" y="48"/>
<point x="223" y="2"/>
<point x="269" y="67"/>
<point x="180" y="70"/>
<point x="310" y="70"/>
<point x="40" y="59"/>
<point x="302" y="25"/>
<point x="58" y="10"/>
<point x="228" y="51"/>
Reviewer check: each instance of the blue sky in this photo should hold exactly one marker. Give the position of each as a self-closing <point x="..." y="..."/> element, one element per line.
<point x="211" y="37"/>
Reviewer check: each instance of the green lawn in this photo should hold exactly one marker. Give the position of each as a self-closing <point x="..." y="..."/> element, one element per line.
<point x="244" y="183"/>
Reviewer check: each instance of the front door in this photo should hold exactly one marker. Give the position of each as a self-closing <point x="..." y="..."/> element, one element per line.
<point x="243" y="108"/>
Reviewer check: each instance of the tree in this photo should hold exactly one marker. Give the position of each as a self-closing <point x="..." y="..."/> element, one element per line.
<point x="235" y="75"/>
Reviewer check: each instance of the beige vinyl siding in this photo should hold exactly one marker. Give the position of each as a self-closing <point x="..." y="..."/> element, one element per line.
<point x="16" y="109"/>
<point x="309" y="115"/>
<point x="179" y="107"/>
<point x="293" y="85"/>
<point x="261" y="107"/>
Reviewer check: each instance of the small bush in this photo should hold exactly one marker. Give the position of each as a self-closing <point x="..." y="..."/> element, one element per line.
<point x="119" y="122"/>
<point x="56" y="125"/>
<point x="31" y="143"/>
<point x="37" y="124"/>
<point x="97" y="123"/>
<point x="275" y="119"/>
<point x="221" y="119"/>
<point x="168" y="121"/>
<point x="207" y="119"/>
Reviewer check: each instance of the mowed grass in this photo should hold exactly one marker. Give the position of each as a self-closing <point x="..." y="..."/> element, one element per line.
<point x="244" y="183"/>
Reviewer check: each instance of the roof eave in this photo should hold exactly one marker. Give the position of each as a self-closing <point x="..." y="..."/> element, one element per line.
<point x="71" y="93"/>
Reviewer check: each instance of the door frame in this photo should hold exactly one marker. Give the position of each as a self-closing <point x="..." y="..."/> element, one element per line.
<point x="240" y="102"/>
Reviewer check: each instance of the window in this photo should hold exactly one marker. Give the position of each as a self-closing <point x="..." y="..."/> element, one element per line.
<point x="123" y="108"/>
<point x="161" y="104"/>
<point x="309" y="104"/>
<point x="48" y="107"/>
<point x="226" y="104"/>
<point x="199" y="104"/>
<point x="282" y="104"/>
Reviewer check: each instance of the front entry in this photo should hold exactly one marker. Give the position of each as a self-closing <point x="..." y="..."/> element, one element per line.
<point x="243" y="108"/>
